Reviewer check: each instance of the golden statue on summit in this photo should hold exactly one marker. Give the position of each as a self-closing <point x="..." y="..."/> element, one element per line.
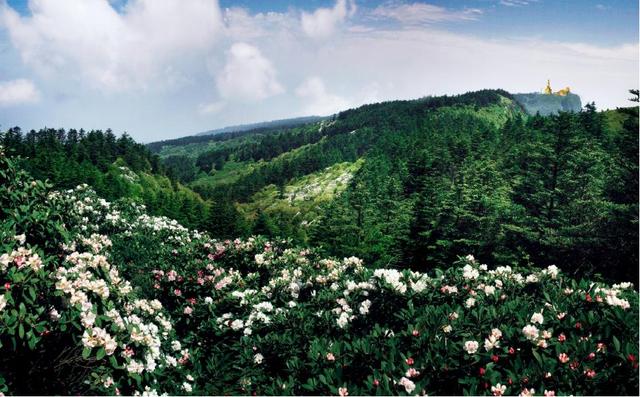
<point x="548" y="91"/>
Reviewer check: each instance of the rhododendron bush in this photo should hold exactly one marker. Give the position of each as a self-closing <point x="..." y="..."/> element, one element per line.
<point x="100" y="298"/>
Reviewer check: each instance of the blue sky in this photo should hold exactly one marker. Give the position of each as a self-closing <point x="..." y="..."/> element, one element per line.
<point x="164" y="68"/>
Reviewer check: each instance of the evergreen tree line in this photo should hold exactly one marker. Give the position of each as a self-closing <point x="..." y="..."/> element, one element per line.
<point x="116" y="167"/>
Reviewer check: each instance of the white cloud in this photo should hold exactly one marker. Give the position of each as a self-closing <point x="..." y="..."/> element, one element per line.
<point x="169" y="65"/>
<point x="211" y="107"/>
<point x="323" y="22"/>
<point x="247" y="75"/>
<point x="18" y="92"/>
<point x="108" y="50"/>
<point x="318" y="100"/>
<point x="516" y="3"/>
<point x="419" y="13"/>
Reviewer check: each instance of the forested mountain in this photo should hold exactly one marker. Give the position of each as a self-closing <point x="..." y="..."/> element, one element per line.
<point x="426" y="180"/>
<point x="402" y="183"/>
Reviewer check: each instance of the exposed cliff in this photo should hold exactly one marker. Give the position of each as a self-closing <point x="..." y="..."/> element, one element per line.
<point x="549" y="104"/>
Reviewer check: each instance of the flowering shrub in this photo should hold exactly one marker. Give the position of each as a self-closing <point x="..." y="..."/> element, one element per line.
<point x="258" y="317"/>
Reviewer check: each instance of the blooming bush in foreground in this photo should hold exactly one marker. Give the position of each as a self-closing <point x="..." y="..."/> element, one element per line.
<point x="258" y="317"/>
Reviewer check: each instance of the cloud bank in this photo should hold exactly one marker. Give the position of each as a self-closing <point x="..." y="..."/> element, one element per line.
<point x="163" y="68"/>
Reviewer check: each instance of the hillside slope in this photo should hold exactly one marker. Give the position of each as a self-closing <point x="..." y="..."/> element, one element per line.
<point x="438" y="178"/>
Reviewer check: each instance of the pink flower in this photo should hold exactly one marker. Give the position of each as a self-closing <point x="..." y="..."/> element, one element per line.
<point x="415" y="332"/>
<point x="589" y="373"/>
<point x="331" y="357"/>
<point x="409" y="361"/>
<point x="549" y="393"/>
<point x="412" y="373"/>
<point x="188" y="310"/>
<point x="562" y="337"/>
<point x="177" y="292"/>
<point x="591" y="356"/>
<point x="128" y="352"/>
<point x="376" y="382"/>
<point x="563" y="357"/>
<point x="601" y="347"/>
<point x="20" y="261"/>
<point x="343" y="392"/>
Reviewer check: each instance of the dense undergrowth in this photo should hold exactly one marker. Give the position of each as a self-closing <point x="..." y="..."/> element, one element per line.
<point x="101" y="298"/>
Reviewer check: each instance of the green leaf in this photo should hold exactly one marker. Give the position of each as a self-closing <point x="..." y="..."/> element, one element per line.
<point x="101" y="353"/>
<point x="616" y="343"/>
<point x="86" y="352"/>
<point x="537" y="357"/>
<point x="21" y="331"/>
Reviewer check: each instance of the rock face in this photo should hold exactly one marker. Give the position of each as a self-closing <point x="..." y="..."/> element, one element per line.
<point x="549" y="104"/>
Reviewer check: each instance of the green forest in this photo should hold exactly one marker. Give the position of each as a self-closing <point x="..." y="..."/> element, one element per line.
<point x="406" y="184"/>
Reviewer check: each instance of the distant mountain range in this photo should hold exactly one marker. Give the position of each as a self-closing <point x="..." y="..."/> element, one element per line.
<point x="265" y="124"/>
<point x="532" y="103"/>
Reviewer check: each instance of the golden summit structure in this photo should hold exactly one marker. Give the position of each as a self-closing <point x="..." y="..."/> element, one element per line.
<point x="548" y="91"/>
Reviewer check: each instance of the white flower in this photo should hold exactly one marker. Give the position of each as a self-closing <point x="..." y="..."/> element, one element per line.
<point x="135" y="367"/>
<point x="471" y="346"/>
<point x="409" y="386"/>
<point x="527" y="392"/>
<point x="489" y="290"/>
<point x="498" y="389"/>
<point x="208" y="300"/>
<point x="175" y="345"/>
<point x="552" y="271"/>
<point x="470" y="302"/>
<point x="21" y="238"/>
<point x="364" y="307"/>
<point x="530" y="332"/>
<point x="469" y="273"/>
<point x="537" y="318"/>
<point x="343" y="320"/>
<point x="491" y="342"/>
<point x="237" y="324"/>
<point x="258" y="358"/>
<point x="187" y="387"/>
<point x="496" y="333"/>
<point x="447" y="328"/>
<point x="3" y="302"/>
